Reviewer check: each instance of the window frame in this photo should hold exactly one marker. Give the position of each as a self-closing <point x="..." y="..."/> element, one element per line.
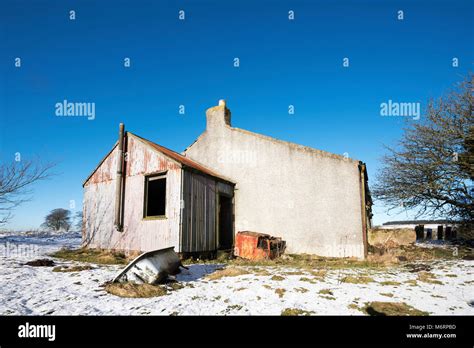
<point x="154" y="176"/>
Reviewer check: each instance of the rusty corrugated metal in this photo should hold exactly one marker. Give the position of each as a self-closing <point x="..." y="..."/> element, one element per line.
<point x="183" y="160"/>
<point x="191" y="229"/>
<point x="139" y="234"/>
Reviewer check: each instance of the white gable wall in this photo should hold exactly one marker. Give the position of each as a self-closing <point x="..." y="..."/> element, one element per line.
<point x="310" y="198"/>
<point x="138" y="234"/>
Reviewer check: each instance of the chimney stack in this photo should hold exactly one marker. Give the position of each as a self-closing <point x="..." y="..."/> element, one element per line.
<point x="218" y="117"/>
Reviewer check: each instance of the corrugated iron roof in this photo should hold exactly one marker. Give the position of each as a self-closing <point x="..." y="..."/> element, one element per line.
<point x="185" y="161"/>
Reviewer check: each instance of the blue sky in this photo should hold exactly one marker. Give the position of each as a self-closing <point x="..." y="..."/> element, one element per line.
<point x="190" y="63"/>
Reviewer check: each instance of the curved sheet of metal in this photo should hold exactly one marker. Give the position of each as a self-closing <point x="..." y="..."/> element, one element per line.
<point x="151" y="267"/>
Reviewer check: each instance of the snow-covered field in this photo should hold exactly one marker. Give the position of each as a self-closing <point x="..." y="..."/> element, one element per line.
<point x="264" y="291"/>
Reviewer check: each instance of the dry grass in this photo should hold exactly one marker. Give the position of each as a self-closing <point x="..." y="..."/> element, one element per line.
<point x="320" y="273"/>
<point x="325" y="292"/>
<point x="72" y="268"/>
<point x="357" y="280"/>
<point x="412" y="282"/>
<point x="295" y="312"/>
<point x="329" y="297"/>
<point x="135" y="290"/>
<point x="302" y="290"/>
<point x="386" y="294"/>
<point x="391" y="252"/>
<point x="227" y="272"/>
<point x="277" y="278"/>
<point x="261" y="271"/>
<point x="97" y="256"/>
<point x="294" y="273"/>
<point x="353" y="306"/>
<point x="400" y="236"/>
<point x="390" y="309"/>
<point x="280" y="292"/>
<point x="387" y="249"/>
<point x="390" y="282"/>
<point x="309" y="280"/>
<point x="386" y="259"/>
<point x="301" y="262"/>
<point x="428" y="277"/>
<point x="437" y="296"/>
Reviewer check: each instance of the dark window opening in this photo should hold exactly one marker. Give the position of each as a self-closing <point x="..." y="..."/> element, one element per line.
<point x="226" y="230"/>
<point x="155" y="196"/>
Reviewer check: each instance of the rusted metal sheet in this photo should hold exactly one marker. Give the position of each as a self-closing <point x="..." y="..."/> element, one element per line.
<point x="152" y="267"/>
<point x="138" y="233"/>
<point x="258" y="246"/>
<point x="190" y="219"/>
<point x="183" y="160"/>
<point x="104" y="171"/>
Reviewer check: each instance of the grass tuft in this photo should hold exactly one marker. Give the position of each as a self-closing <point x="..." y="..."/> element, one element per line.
<point x="357" y="280"/>
<point x="107" y="257"/>
<point x="227" y="272"/>
<point x="390" y="282"/>
<point x="325" y="292"/>
<point x="277" y="278"/>
<point x="428" y="277"/>
<point x="295" y="312"/>
<point x="135" y="290"/>
<point x="391" y="309"/>
<point x="280" y="292"/>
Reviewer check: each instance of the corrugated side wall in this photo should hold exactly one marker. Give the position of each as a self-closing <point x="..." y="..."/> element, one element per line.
<point x="198" y="231"/>
<point x="138" y="234"/>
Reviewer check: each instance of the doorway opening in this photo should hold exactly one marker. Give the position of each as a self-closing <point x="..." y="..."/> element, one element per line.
<point x="225" y="238"/>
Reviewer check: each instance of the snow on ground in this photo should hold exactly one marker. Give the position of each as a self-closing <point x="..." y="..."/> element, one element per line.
<point x="38" y="290"/>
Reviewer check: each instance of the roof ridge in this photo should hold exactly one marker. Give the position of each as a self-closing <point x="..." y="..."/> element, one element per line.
<point x="183" y="160"/>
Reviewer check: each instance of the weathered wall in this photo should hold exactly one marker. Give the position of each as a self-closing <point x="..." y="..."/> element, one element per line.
<point x="310" y="198"/>
<point x="199" y="230"/>
<point x="138" y="233"/>
<point x="199" y="213"/>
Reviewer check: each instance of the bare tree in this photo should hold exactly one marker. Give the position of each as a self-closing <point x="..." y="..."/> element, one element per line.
<point x="16" y="181"/>
<point x="431" y="170"/>
<point x="58" y="219"/>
